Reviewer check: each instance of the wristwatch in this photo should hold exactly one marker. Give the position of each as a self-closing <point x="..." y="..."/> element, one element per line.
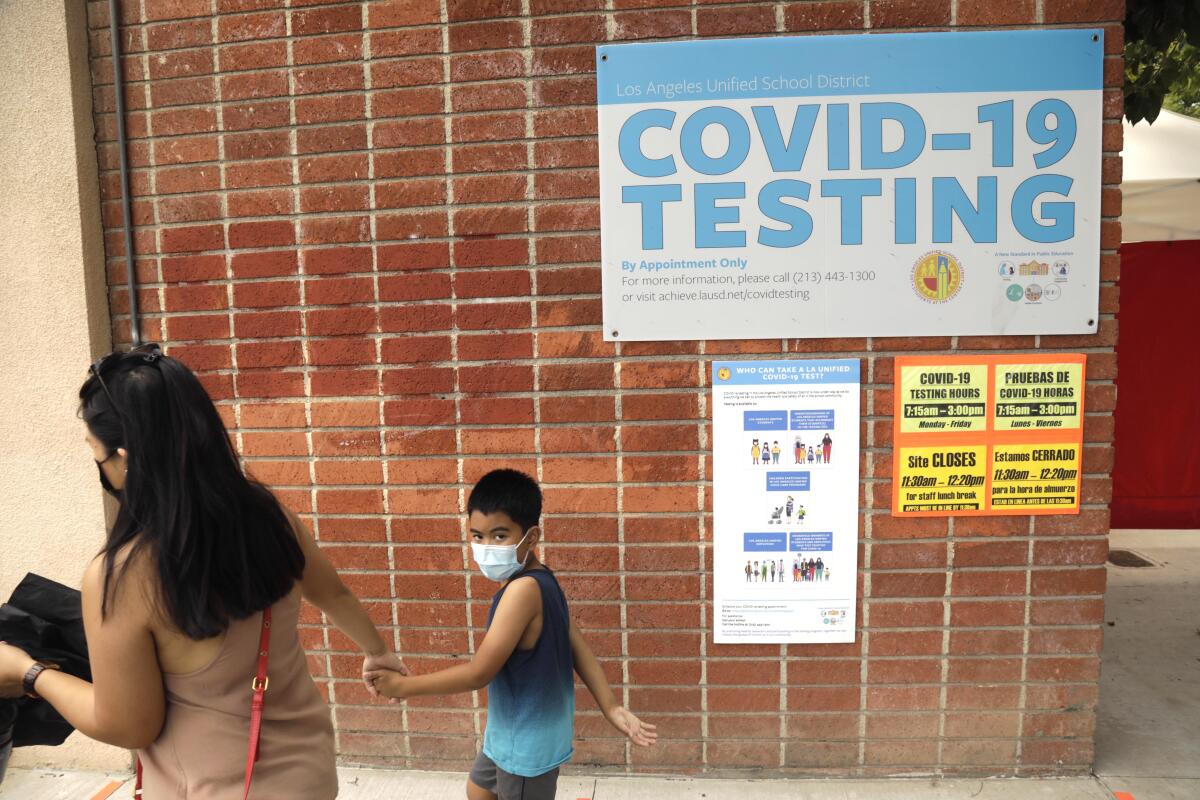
<point x="31" y="677"/>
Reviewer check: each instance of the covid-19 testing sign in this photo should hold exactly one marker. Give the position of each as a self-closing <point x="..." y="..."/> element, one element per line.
<point x="814" y="186"/>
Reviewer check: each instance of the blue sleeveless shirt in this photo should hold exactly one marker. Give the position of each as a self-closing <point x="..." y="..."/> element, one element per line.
<point x="531" y="701"/>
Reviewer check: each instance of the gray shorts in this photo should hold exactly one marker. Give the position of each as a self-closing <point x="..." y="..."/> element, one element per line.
<point x="506" y="786"/>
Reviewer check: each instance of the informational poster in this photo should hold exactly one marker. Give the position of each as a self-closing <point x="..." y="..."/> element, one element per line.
<point x="988" y="435"/>
<point x="785" y="500"/>
<point x="885" y="185"/>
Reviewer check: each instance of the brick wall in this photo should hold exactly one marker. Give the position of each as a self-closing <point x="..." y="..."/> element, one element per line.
<point x="373" y="228"/>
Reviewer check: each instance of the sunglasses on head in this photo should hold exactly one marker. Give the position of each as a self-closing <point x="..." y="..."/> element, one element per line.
<point x="147" y="353"/>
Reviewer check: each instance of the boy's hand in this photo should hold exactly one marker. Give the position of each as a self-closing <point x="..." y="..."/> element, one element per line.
<point x="378" y="663"/>
<point x="640" y="733"/>
<point x="387" y="683"/>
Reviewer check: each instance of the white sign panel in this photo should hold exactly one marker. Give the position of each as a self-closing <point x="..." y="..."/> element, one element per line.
<point x="785" y="500"/>
<point x="822" y="186"/>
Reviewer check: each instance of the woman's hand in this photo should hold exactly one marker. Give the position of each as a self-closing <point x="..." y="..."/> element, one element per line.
<point x="14" y="663"/>
<point x="389" y="662"/>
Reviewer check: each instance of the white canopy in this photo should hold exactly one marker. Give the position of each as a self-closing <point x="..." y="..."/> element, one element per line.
<point x="1161" y="180"/>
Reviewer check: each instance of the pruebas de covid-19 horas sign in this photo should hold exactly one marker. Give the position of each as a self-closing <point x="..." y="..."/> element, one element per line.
<point x="884" y="185"/>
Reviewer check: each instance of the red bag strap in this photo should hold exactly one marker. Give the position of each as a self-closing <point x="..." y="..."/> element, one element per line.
<point x="259" y="685"/>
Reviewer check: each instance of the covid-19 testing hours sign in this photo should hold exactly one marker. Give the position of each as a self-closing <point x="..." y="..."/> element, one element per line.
<point x="815" y="186"/>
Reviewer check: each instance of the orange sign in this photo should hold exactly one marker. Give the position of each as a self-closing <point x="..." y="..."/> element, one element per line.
<point x="988" y="435"/>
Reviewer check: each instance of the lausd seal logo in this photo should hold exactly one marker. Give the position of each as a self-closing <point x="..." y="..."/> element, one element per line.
<point x="723" y="373"/>
<point x="937" y="277"/>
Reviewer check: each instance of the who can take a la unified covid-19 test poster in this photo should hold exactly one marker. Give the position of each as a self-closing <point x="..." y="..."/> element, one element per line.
<point x="785" y="500"/>
<point x="821" y="186"/>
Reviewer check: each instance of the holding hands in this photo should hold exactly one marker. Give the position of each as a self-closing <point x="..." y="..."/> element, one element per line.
<point x="389" y="683"/>
<point x="381" y="664"/>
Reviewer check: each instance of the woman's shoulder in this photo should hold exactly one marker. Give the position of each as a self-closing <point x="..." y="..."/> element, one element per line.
<point x="128" y="576"/>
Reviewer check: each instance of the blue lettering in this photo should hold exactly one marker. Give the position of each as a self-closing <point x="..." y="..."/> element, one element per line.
<point x="651" y="199"/>
<point x="770" y="203"/>
<point x="852" y="191"/>
<point x="736" y="129"/>
<point x="1062" y="214"/>
<point x="629" y="143"/>
<point x="838" y="135"/>
<point x="787" y="157"/>
<point x="912" y="141"/>
<point x="709" y="215"/>
<point x="906" y="210"/>
<point x="949" y="201"/>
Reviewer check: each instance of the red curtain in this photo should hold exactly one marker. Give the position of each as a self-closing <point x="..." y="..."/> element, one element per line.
<point x="1156" y="474"/>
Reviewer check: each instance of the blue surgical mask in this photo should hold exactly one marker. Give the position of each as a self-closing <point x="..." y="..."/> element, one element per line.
<point x="498" y="562"/>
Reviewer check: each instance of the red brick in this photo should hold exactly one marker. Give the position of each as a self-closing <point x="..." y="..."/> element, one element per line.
<point x="341" y="322"/>
<point x="326" y="20"/>
<point x="491" y="65"/>
<point x="186" y="150"/>
<point x="261" y="234"/>
<point x="193" y="239"/>
<point x="485" y="35"/>
<point x="1068" y="582"/>
<point x="342" y="351"/>
<point x="651" y="25"/>
<point x="1083" y="10"/>
<point x="255" y="55"/>
<point x="171" y="35"/>
<point x="909" y="13"/>
<point x="254" y="85"/>
<point x="271" y="383"/>
<point x="174" y="122"/>
<point x="824" y="15"/>
<point x="256" y="115"/>
<point x="493" y="347"/>
<point x="267" y="324"/>
<point x="247" y="27"/>
<point x="264" y="265"/>
<point x="985" y="12"/>
<point x="259" y="355"/>
<point x="260" y="173"/>
<point x="399" y="13"/>
<point x="735" y="20"/>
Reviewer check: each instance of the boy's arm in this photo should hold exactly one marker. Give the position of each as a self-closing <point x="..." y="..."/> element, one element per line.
<point x="593" y="677"/>
<point x="521" y="603"/>
<point x="591" y="672"/>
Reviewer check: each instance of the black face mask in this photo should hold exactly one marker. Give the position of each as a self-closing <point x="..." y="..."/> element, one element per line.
<point x="105" y="482"/>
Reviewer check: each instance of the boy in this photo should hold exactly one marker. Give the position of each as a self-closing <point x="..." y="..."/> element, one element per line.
<point x="526" y="659"/>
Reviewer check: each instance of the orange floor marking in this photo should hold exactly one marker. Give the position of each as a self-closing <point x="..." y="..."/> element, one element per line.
<point x="107" y="791"/>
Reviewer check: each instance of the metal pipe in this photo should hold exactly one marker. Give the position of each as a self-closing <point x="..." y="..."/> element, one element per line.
<point x="114" y="28"/>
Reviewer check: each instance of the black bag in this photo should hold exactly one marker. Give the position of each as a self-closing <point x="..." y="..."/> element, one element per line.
<point x="45" y="619"/>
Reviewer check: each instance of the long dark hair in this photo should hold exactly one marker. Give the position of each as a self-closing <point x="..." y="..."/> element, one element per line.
<point x="221" y="545"/>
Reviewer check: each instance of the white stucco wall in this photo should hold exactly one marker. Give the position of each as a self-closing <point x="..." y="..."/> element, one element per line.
<point x="53" y="311"/>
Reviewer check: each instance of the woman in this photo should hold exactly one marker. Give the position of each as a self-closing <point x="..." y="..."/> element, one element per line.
<point x="199" y="564"/>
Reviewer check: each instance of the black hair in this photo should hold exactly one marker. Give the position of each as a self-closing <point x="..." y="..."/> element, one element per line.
<point x="221" y="545"/>
<point x="510" y="491"/>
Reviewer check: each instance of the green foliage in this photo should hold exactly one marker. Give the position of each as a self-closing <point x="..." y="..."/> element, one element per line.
<point x="1162" y="58"/>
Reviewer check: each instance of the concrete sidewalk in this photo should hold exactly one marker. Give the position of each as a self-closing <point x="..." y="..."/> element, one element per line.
<point x="1148" y="729"/>
<point x="365" y="784"/>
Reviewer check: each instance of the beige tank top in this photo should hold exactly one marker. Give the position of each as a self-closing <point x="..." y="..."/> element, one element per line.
<point x="201" y="752"/>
